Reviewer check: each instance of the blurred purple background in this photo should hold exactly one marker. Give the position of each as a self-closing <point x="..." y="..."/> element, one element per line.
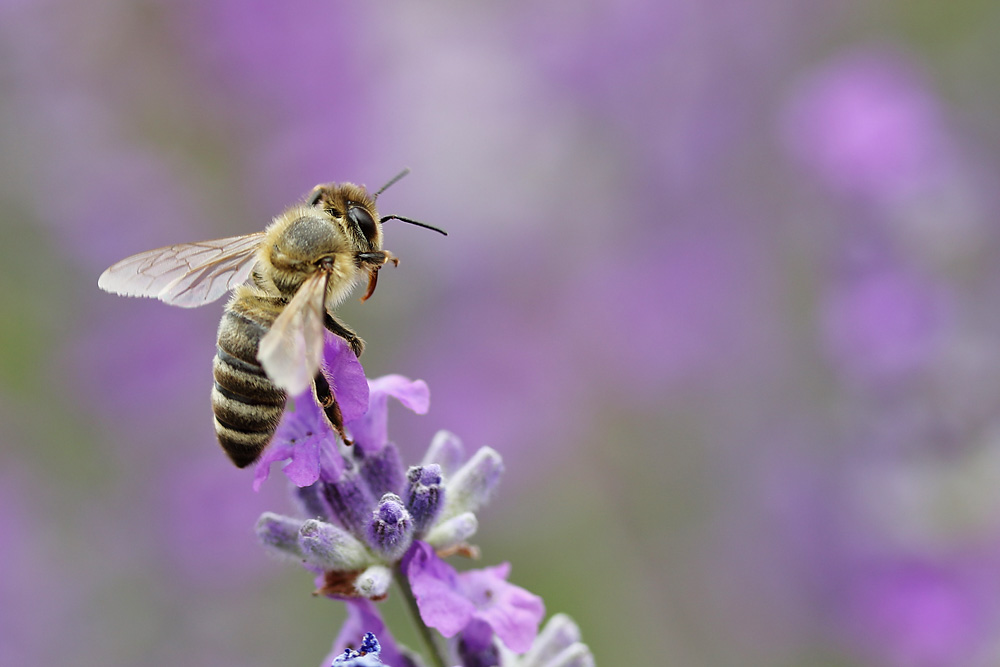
<point x="721" y="285"/>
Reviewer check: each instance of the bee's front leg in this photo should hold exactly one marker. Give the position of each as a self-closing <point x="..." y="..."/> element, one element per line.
<point x="376" y="259"/>
<point x="325" y="397"/>
<point x="337" y="327"/>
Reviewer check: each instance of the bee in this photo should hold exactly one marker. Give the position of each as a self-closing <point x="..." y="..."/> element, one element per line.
<point x="286" y="281"/>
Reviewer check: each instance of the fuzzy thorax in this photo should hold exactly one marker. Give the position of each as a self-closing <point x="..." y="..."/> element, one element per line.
<point x="294" y="244"/>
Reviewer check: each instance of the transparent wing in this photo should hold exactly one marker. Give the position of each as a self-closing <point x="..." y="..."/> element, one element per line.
<point x="291" y="352"/>
<point x="186" y="274"/>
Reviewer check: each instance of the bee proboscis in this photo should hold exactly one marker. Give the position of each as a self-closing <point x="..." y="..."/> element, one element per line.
<point x="270" y="339"/>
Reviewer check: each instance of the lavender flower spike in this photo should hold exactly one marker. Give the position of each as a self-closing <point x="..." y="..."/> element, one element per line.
<point x="331" y="548"/>
<point x="472" y="485"/>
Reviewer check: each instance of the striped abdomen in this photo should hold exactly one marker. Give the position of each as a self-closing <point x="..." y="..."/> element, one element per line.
<point x="246" y="403"/>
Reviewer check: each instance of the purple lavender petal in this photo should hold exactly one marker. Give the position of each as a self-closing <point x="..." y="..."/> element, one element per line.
<point x="262" y="469"/>
<point x="512" y="612"/>
<point x="303" y="467"/>
<point x="305" y="419"/>
<point x="305" y="439"/>
<point x="370" y="432"/>
<point x="362" y="617"/>
<point x="413" y="394"/>
<point x="435" y="586"/>
<point x="347" y="377"/>
<point x="449" y="601"/>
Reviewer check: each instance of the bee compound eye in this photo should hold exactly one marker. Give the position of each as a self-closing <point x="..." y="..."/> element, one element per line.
<point x="363" y="220"/>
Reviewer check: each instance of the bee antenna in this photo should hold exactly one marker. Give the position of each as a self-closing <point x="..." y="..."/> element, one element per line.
<point x="392" y="181"/>
<point x="414" y="222"/>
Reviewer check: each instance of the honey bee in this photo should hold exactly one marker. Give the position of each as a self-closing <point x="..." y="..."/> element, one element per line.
<point x="270" y="339"/>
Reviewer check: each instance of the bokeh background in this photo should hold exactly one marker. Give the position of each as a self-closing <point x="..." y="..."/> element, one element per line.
<point x="721" y="285"/>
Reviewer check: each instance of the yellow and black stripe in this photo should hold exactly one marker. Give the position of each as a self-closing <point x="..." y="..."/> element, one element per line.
<point x="247" y="405"/>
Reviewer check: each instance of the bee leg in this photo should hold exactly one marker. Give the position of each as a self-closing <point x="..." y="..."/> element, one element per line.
<point x="335" y="326"/>
<point x="376" y="259"/>
<point x="330" y="406"/>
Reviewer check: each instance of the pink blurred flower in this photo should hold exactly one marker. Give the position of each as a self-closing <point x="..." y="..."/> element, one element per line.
<point x="867" y="125"/>
<point x="884" y="322"/>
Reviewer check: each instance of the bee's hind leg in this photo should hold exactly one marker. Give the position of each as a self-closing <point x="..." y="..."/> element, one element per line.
<point x="330" y="406"/>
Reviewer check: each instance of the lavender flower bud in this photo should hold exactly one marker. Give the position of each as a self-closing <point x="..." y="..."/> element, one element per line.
<point x="476" y="647"/>
<point x="574" y="655"/>
<point x="369" y="644"/>
<point x="310" y="501"/>
<point x="351" y="501"/>
<point x="331" y="547"/>
<point x="390" y="530"/>
<point x="452" y="532"/>
<point x="424" y="495"/>
<point x="446" y="450"/>
<point x="383" y="470"/>
<point x="279" y="533"/>
<point x="374" y="582"/>
<point x="472" y="484"/>
<point x="366" y="655"/>
<point x="558" y="644"/>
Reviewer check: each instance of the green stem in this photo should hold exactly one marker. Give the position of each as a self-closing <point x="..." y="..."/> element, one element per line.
<point x="437" y="660"/>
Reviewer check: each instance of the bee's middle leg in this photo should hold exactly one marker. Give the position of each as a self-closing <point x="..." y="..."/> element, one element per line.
<point x="339" y="328"/>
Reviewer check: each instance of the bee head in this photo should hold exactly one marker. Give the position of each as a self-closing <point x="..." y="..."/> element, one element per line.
<point x="353" y="209"/>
